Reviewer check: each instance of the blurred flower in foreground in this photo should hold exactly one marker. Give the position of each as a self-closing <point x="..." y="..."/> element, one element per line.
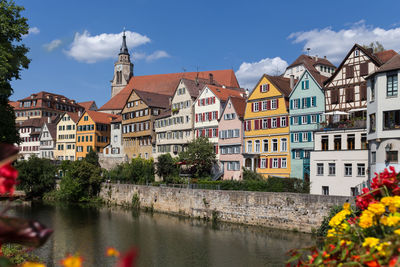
<point x="8" y="179"/>
<point x="112" y="252"/>
<point x="72" y="261"/>
<point x="32" y="264"/>
<point x="128" y="259"/>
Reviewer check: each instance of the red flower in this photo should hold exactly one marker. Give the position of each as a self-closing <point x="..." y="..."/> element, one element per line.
<point x="128" y="259"/>
<point x="373" y="263"/>
<point x="393" y="261"/>
<point x="8" y="179"/>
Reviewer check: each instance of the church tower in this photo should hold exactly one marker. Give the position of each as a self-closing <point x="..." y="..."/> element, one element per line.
<point x="123" y="69"/>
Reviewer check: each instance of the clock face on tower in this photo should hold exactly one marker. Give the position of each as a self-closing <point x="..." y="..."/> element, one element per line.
<point x="119" y="67"/>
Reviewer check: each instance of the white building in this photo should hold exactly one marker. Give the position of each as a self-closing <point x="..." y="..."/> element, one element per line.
<point x="383" y="119"/>
<point x="29" y="131"/>
<point x="208" y="108"/>
<point x="312" y="63"/>
<point x="47" y="140"/>
<point x="339" y="162"/>
<point x="115" y="149"/>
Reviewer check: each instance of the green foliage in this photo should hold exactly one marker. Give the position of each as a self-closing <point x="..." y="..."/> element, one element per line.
<point x="138" y="171"/>
<point x="12" y="60"/>
<point x="251" y="175"/>
<point x="376" y="47"/>
<point x="272" y="184"/>
<point x="324" y="227"/>
<point x="135" y="201"/>
<point x="200" y="156"/>
<point x="81" y="182"/>
<point x="18" y="254"/>
<point x="36" y="176"/>
<point x="92" y="158"/>
<point x="166" y="167"/>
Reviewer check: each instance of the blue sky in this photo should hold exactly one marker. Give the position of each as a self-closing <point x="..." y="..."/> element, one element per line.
<point x="73" y="44"/>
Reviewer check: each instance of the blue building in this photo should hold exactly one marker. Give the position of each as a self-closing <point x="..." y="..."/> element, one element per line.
<point x="307" y="105"/>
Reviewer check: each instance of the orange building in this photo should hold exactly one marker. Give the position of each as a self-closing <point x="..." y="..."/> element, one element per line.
<point x="92" y="132"/>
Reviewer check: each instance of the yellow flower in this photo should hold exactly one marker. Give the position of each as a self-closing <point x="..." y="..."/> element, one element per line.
<point x="331" y="233"/>
<point x="376" y="208"/>
<point x="366" y="219"/>
<point x="338" y="218"/>
<point x="347" y="242"/>
<point x="370" y="242"/>
<point x="397" y="232"/>
<point x="390" y="203"/>
<point x="72" y="261"/>
<point x="396" y="201"/>
<point x="346" y="206"/>
<point x="32" y="264"/>
<point x="391" y="220"/>
<point x="112" y="252"/>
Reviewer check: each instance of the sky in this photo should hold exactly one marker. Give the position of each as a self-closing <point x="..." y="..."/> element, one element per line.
<point x="74" y="44"/>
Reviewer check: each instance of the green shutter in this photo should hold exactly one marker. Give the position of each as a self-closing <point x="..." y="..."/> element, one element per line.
<point x="307" y="84"/>
<point x="308" y="102"/>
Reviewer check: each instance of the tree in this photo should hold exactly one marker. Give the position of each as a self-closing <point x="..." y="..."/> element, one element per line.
<point x="166" y="166"/>
<point x="376" y="47"/>
<point x="92" y="158"/>
<point x="200" y="156"/>
<point x="36" y="176"/>
<point x="12" y="59"/>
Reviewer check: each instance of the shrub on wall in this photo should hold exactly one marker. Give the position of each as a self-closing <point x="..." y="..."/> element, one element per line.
<point x="137" y="171"/>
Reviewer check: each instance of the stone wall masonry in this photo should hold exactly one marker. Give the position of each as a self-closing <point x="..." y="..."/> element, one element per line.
<point x="288" y="211"/>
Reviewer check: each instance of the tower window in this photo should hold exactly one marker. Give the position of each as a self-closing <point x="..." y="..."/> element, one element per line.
<point x="119" y="77"/>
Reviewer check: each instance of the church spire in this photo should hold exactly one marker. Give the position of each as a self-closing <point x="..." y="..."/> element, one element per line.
<point x="124" y="48"/>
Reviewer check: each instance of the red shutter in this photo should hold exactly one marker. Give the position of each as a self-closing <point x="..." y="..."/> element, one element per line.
<point x="213" y="99"/>
<point x="269" y="123"/>
<point x="216" y="116"/>
<point x="267" y="86"/>
<point x="260" y="123"/>
<point x="252" y="107"/>
<point x="278" y="122"/>
<point x="209" y="116"/>
<point x="259" y="163"/>
<point x="216" y="149"/>
<point x="270" y="162"/>
<point x="203" y="132"/>
<point x="266" y="163"/>
<point x="279" y="162"/>
<point x="256" y="125"/>
<point x="210" y="132"/>
<point x="203" y="115"/>
<point x="198" y="102"/>
<point x="259" y="106"/>
<point x="245" y="125"/>
<point x="268" y="104"/>
<point x="197" y="133"/>
<point x="216" y="132"/>
<point x="197" y="118"/>
<point x="260" y="88"/>
<point x="249" y="126"/>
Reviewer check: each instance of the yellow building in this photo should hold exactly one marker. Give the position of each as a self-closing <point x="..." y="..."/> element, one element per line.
<point x="66" y="136"/>
<point x="92" y="132"/>
<point x="266" y="125"/>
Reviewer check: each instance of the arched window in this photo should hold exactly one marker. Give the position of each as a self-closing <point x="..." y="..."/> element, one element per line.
<point x="119" y="77"/>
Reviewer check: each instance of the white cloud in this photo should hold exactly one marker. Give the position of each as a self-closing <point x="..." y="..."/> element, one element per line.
<point x="31" y="31"/>
<point x="248" y="74"/>
<point x="157" y="55"/>
<point x="90" y="49"/>
<point x="335" y="44"/>
<point x="52" y="45"/>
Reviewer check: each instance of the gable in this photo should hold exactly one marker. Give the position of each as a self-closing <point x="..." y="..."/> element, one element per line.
<point x="273" y="91"/>
<point x="301" y="85"/>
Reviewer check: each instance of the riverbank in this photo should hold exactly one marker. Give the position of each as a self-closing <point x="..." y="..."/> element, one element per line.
<point x="286" y="211"/>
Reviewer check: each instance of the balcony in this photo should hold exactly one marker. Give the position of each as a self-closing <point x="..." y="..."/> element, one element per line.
<point x="353" y="123"/>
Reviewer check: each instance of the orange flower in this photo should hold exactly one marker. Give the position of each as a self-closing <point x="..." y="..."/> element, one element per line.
<point x="112" y="252"/>
<point x="32" y="264"/>
<point x="72" y="261"/>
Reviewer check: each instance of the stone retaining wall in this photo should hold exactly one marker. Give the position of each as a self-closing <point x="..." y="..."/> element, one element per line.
<point x="289" y="211"/>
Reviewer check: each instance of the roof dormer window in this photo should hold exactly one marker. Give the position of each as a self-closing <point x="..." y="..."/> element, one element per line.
<point x="356" y="53"/>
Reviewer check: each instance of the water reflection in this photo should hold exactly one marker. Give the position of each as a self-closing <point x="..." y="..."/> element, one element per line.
<point x="163" y="240"/>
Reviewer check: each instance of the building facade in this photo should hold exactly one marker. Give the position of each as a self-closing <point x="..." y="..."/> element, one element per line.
<point x="322" y="66"/>
<point x="266" y="126"/>
<point x="47" y="140"/>
<point x="92" y="132"/>
<point x="307" y="105"/>
<point x="383" y="120"/>
<point x="115" y="149"/>
<point x="138" y="117"/>
<point x="230" y="138"/>
<point x="339" y="162"/>
<point x="66" y="137"/>
<point x="123" y="69"/>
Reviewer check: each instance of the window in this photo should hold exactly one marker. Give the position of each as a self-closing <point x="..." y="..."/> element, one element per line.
<point x="296" y="103"/>
<point x="85" y="118"/>
<point x="256" y="106"/>
<point x="373" y="157"/>
<point x="349" y="72"/>
<point x="283" y="122"/>
<point x="392" y="156"/>
<point x="313" y="100"/>
<point x="313" y="118"/>
<point x="361" y="169"/>
<point x="295" y="120"/>
<point x="348" y="169"/>
<point x="372" y="123"/>
<point x="265" y="124"/>
<point x="372" y="98"/>
<point x="257" y="146"/>
<point x="264" y="88"/>
<point x="283" y="163"/>
<point x="265" y="145"/>
<point x="274" y="145"/>
<point x="283" y="144"/>
<point x="296" y="137"/>
<point x="249" y="147"/>
<point x="320" y="169"/>
<point x="263" y="164"/>
<point x="264" y="105"/>
<point x="350" y="94"/>
<point x="364" y="141"/>
<point x="274" y="123"/>
<point x="332" y="168"/>
<point x="304" y="120"/>
<point x="275" y="163"/>
<point x="338" y="142"/>
<point x="391" y="88"/>
<point x="356" y="53"/>
<point x="274" y="104"/>
<point x="305" y="137"/>
<point x="351" y="139"/>
<point x="325" y="190"/>
<point x="391" y="120"/>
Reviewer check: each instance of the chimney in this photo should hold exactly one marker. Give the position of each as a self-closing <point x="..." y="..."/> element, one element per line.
<point x="211" y="78"/>
<point x="170" y="100"/>
<point x="48" y="120"/>
<point x="316" y="57"/>
<point x="247" y="92"/>
<point x="291" y="81"/>
<point x="79" y="113"/>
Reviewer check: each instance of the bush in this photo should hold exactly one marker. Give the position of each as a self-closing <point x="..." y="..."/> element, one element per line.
<point x="137" y="171"/>
<point x="18" y="254"/>
<point x="166" y="167"/>
<point x="251" y="175"/>
<point x="324" y="227"/>
<point x="36" y="176"/>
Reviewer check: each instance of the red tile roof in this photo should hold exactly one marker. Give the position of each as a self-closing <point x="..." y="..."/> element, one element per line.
<point x="239" y="104"/>
<point x="392" y="64"/>
<point x="87" y="105"/>
<point x="385" y="56"/>
<point x="153" y="99"/>
<point x="166" y="84"/>
<point x="14" y="104"/>
<point x="310" y="62"/>
<point x="101" y="117"/>
<point x="282" y="84"/>
<point x="224" y="93"/>
<point x="117" y="119"/>
<point x="74" y="116"/>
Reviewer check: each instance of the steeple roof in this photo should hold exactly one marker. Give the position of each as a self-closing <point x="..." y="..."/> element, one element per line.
<point x="124" y="48"/>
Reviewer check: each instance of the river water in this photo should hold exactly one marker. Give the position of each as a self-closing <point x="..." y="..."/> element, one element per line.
<point x="162" y="240"/>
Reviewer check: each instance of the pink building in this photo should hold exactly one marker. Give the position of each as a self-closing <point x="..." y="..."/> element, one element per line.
<point x="231" y="138"/>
